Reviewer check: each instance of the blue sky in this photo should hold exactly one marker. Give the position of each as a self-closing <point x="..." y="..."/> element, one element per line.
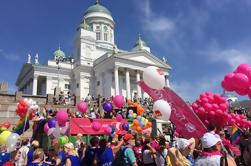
<point x="201" y="40"/>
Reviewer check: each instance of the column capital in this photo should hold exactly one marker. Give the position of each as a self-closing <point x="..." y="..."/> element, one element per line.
<point x="116" y="67"/>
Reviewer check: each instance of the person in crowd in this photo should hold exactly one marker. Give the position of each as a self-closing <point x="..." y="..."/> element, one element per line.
<point x="126" y="153"/>
<point x="52" y="157"/>
<point x="181" y="154"/>
<point x="14" y="157"/>
<point x="104" y="155"/>
<point x="137" y="149"/>
<point x="38" y="158"/>
<point x="90" y="152"/>
<point x="148" y="153"/>
<point x="244" y="143"/>
<point x="61" y="157"/>
<point x="162" y="154"/>
<point x="4" y="155"/>
<point x="72" y="158"/>
<point x="211" y="152"/>
<point x="34" y="146"/>
<point x="24" y="151"/>
<point x="78" y="142"/>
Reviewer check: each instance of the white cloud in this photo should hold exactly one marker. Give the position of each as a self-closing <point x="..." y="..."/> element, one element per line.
<point x="190" y="91"/>
<point x="154" y="23"/>
<point x="9" y="56"/>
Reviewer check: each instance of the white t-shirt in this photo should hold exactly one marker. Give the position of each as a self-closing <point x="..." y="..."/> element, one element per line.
<point x="160" y="161"/>
<point x="208" y="161"/>
<point x="23" y="153"/>
<point x="147" y="157"/>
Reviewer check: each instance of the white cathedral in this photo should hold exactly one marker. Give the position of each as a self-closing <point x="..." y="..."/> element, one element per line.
<point x="97" y="66"/>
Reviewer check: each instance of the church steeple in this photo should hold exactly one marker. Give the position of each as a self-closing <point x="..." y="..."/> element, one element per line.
<point x="140" y="45"/>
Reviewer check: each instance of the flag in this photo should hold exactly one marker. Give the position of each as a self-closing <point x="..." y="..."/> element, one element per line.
<point x="19" y="129"/>
<point x="186" y="121"/>
<point x="235" y="134"/>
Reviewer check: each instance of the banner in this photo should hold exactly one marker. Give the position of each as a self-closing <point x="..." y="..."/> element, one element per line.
<point x="84" y="126"/>
<point x="186" y="121"/>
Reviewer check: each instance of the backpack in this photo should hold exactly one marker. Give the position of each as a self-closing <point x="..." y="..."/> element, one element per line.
<point x="119" y="158"/>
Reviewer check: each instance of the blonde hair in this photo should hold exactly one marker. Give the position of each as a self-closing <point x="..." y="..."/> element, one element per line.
<point x="182" y="159"/>
<point x="38" y="153"/>
<point x="70" y="146"/>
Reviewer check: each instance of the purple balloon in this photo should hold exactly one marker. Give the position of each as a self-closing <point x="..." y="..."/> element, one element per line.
<point x="107" y="106"/>
<point x="125" y="126"/>
<point x="52" y="123"/>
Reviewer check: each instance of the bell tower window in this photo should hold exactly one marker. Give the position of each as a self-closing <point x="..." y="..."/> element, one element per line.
<point x="105" y="33"/>
<point x="105" y="36"/>
<point x="98" y="36"/>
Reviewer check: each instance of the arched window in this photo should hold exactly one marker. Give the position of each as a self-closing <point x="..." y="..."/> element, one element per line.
<point x="98" y="33"/>
<point x="105" y="33"/>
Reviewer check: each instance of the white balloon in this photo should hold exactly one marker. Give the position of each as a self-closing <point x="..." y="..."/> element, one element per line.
<point x="154" y="77"/>
<point x="162" y="110"/>
<point x="12" y="141"/>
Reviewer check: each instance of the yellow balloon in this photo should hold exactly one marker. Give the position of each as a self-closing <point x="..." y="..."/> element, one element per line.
<point x="134" y="115"/>
<point x="4" y="136"/>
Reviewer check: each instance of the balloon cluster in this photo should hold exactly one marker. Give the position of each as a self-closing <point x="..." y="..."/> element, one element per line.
<point x="211" y="108"/>
<point x="58" y="126"/>
<point x="25" y="105"/>
<point x="239" y="120"/>
<point x="140" y="124"/>
<point x="239" y="80"/>
<point x="140" y="110"/>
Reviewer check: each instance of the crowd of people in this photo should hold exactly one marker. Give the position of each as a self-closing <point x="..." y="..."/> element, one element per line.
<point x="123" y="150"/>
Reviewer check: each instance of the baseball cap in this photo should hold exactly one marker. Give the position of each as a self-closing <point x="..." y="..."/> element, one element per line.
<point x="182" y="143"/>
<point x="208" y="140"/>
<point x="128" y="137"/>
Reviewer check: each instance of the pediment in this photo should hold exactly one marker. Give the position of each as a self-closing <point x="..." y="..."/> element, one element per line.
<point x="143" y="57"/>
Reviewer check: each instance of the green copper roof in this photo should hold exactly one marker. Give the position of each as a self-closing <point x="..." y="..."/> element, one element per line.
<point x="59" y="54"/>
<point x="140" y="43"/>
<point x="97" y="8"/>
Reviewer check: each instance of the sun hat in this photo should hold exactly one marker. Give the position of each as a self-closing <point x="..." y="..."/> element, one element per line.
<point x="182" y="143"/>
<point x="208" y="140"/>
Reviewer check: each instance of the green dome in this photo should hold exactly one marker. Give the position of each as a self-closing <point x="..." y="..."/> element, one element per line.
<point x="59" y="54"/>
<point x="97" y="8"/>
<point x="140" y="43"/>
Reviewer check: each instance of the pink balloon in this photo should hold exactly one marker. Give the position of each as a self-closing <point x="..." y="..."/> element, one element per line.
<point x="242" y="92"/>
<point x="215" y="106"/>
<point x="118" y="101"/>
<point x="195" y="106"/>
<point x="208" y="106"/>
<point x="201" y="109"/>
<point x="62" y="117"/>
<point x="119" y="117"/>
<point x="211" y="113"/>
<point x="96" y="126"/>
<point x="204" y="100"/>
<point x="223" y="107"/>
<point x="228" y="79"/>
<point x="46" y="128"/>
<point x="240" y="81"/>
<point x="82" y="106"/>
<point x="243" y="68"/>
<point x="108" y="130"/>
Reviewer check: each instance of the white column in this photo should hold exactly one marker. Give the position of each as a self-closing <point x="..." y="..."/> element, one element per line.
<point x="138" y="87"/>
<point x="167" y="80"/>
<point x="34" y="85"/>
<point x="128" y="86"/>
<point x="116" y="80"/>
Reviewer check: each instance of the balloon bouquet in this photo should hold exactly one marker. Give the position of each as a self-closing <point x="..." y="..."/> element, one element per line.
<point x="57" y="127"/>
<point x="213" y="108"/>
<point x="239" y="80"/>
<point x="25" y="110"/>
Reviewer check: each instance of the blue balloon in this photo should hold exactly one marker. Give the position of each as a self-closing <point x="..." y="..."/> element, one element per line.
<point x="142" y="124"/>
<point x="130" y="116"/>
<point x="139" y="118"/>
